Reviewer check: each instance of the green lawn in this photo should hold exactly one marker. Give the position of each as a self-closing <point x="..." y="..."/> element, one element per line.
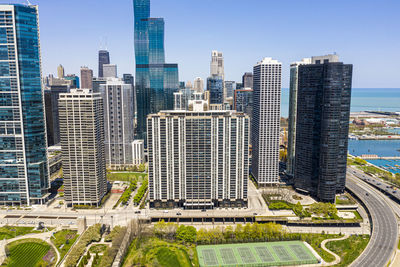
<point x="99" y="248"/>
<point x="30" y="252"/>
<point x="126" y="176"/>
<point x="156" y="252"/>
<point x="348" y="249"/>
<point x="6" y="232"/>
<point x="60" y="240"/>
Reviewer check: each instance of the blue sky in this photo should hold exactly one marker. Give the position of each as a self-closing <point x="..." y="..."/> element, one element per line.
<point x="365" y="33"/>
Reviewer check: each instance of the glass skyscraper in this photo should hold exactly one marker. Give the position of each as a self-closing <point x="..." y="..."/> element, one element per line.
<point x="156" y="81"/>
<point x="23" y="157"/>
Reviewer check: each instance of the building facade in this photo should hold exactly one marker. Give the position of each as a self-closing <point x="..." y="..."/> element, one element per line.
<point x="138" y="152"/>
<point x="322" y="125"/>
<point x="247" y="80"/>
<point x="110" y="71"/>
<point x="86" y="78"/>
<point x="198" y="159"/>
<point x="217" y="64"/>
<point x="265" y="125"/>
<point x="104" y="58"/>
<point x="198" y="85"/>
<point x="60" y="71"/>
<point x="243" y="101"/>
<point x="24" y="175"/>
<point x="215" y="85"/>
<point x="156" y="81"/>
<point x="118" y="121"/>
<point x="230" y="87"/>
<point x="82" y="143"/>
<point x="294" y="77"/>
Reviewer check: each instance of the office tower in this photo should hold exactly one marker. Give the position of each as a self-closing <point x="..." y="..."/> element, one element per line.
<point x="23" y="158"/>
<point x="110" y="71"/>
<point x="247" y="80"/>
<point x="230" y="86"/>
<point x="104" y="58"/>
<point x="52" y="112"/>
<point x="128" y="79"/>
<point x="322" y="125"/>
<point x="60" y="71"/>
<point x="96" y="83"/>
<point x="198" y="85"/>
<point x="217" y="64"/>
<point x="243" y="101"/>
<point x="266" y="121"/>
<point x="215" y="85"/>
<point x="156" y="81"/>
<point x="207" y="157"/>
<point x="138" y="152"/>
<point x="118" y="121"/>
<point x="182" y="85"/>
<point x="82" y="144"/>
<point x="72" y="80"/>
<point x="86" y="78"/>
<point x="294" y="74"/>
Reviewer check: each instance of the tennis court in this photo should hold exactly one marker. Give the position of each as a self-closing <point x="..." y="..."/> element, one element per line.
<point x="255" y="254"/>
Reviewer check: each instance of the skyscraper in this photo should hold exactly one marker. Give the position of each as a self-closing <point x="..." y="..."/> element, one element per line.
<point x="215" y="86"/>
<point x="86" y="78"/>
<point x="230" y="86"/>
<point x="129" y="79"/>
<point x="247" y="80"/>
<point x="82" y="143"/>
<point x="110" y="71"/>
<point x="217" y="64"/>
<point x="294" y="75"/>
<point x="198" y="85"/>
<point x="265" y="125"/>
<point x="104" y="58"/>
<point x="23" y="157"/>
<point x="60" y="71"/>
<point x="322" y="125"/>
<point x="118" y="121"/>
<point x="243" y="101"/>
<point x="156" y="81"/>
<point x="207" y="157"/>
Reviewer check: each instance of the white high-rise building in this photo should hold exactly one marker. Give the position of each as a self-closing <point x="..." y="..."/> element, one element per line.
<point x="198" y="159"/>
<point x="198" y="85"/>
<point x="217" y="64"/>
<point x="118" y="121"/>
<point x="266" y="121"/>
<point x="82" y="144"/>
<point x="110" y="71"/>
<point x="138" y="152"/>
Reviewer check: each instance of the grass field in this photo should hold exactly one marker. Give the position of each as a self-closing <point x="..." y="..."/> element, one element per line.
<point x="348" y="249"/>
<point x="6" y="232"/>
<point x="156" y="252"/>
<point x="126" y="176"/>
<point x="60" y="241"/>
<point x="30" y="252"/>
<point x="260" y="254"/>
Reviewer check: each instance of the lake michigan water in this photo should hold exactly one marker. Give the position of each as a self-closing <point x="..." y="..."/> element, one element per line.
<point x="367" y="99"/>
<point x="362" y="99"/>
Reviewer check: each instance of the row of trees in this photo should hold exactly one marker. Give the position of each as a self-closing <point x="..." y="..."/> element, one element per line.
<point x="142" y="189"/>
<point x="247" y="233"/>
<point x="134" y="168"/>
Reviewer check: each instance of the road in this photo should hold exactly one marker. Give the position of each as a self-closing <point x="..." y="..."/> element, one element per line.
<point x="383" y="240"/>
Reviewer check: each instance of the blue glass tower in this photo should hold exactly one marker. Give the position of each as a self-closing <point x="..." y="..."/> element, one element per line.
<point x="215" y="85"/>
<point x="23" y="156"/>
<point x="156" y="81"/>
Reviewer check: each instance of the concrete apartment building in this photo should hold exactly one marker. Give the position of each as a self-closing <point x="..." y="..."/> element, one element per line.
<point x="82" y="143"/>
<point x="198" y="159"/>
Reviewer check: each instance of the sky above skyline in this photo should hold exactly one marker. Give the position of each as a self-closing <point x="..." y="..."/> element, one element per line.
<point x="364" y="33"/>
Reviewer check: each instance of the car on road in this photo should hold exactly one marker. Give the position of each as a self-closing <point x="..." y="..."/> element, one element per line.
<point x="178" y="213"/>
<point x="255" y="213"/>
<point x="203" y="210"/>
<point x="366" y="194"/>
<point x="394" y="192"/>
<point x="137" y="212"/>
<point x="165" y="211"/>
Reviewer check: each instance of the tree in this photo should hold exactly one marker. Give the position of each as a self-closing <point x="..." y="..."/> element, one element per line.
<point x="186" y="233"/>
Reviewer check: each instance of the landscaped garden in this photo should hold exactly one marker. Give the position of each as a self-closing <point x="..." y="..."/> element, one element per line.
<point x="126" y="176"/>
<point x="348" y="249"/>
<point x="63" y="241"/>
<point x="171" y="245"/>
<point x="8" y="232"/>
<point x="30" y="252"/>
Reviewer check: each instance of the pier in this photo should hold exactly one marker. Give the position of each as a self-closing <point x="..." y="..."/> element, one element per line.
<point x="377" y="157"/>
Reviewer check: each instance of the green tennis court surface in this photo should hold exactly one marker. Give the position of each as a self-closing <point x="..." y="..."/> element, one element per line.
<point x="255" y="254"/>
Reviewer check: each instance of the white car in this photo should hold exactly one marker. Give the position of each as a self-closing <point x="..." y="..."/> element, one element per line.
<point x="165" y="211"/>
